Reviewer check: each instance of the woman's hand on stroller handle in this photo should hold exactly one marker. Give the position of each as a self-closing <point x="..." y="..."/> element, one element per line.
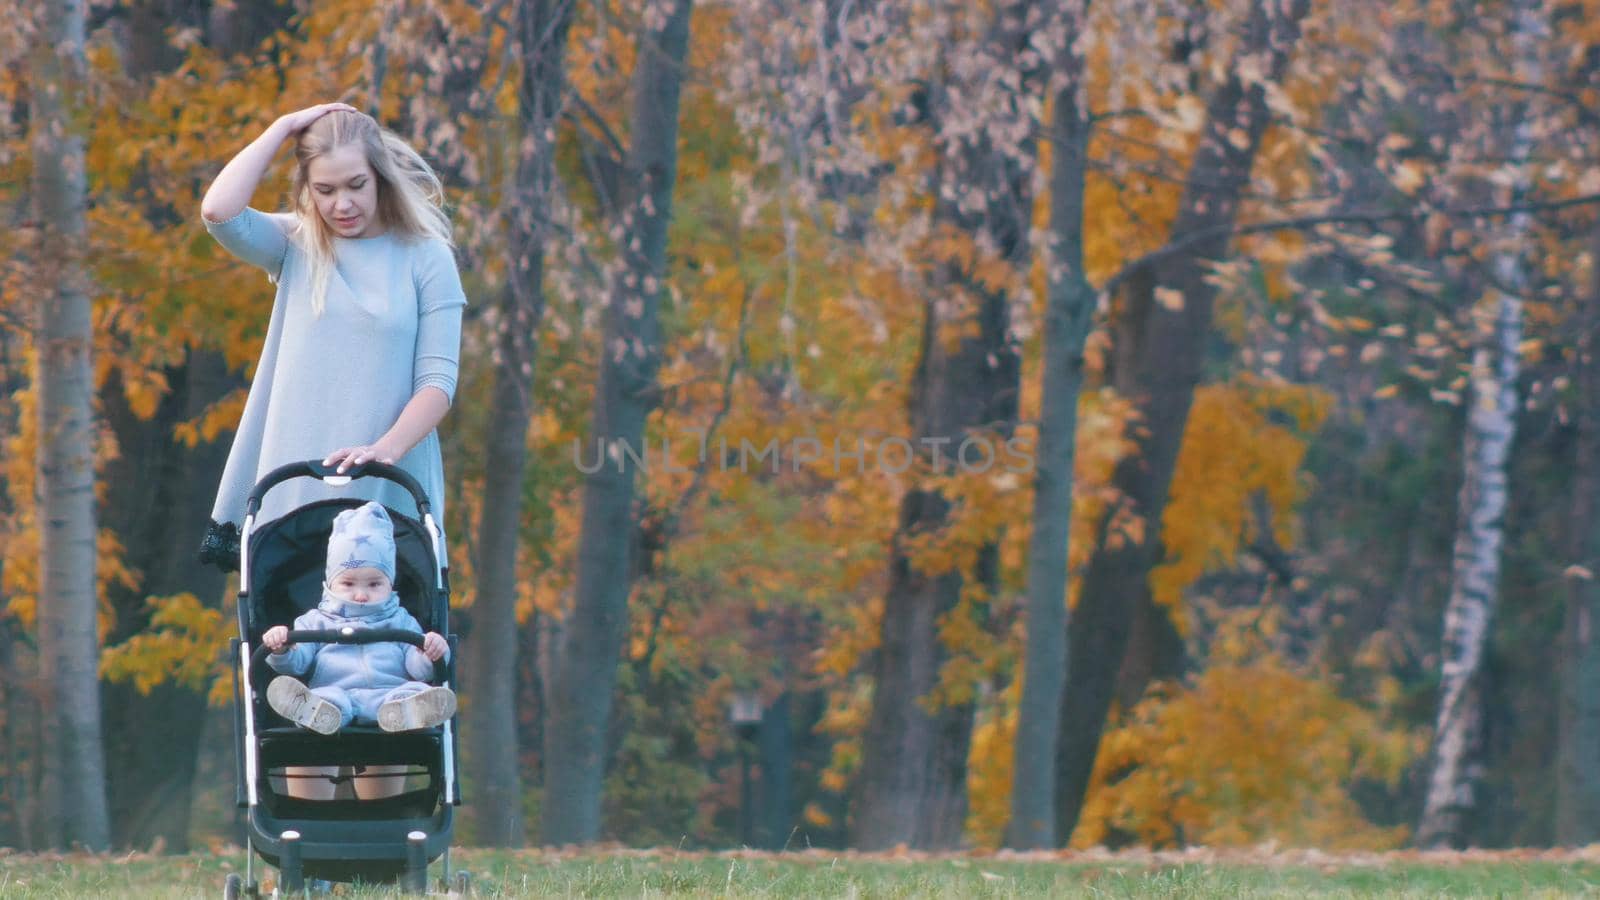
<point x="313" y="468"/>
<point x="348" y="457"/>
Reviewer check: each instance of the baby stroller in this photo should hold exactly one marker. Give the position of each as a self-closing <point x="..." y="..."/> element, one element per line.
<point x="346" y="838"/>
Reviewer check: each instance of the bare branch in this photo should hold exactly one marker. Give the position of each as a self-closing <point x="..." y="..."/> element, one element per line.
<point x="1175" y="247"/>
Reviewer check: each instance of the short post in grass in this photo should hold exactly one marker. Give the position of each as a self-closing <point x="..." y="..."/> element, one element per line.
<point x="744" y="711"/>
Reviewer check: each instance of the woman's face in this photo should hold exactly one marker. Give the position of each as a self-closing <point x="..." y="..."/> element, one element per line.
<point x="346" y="192"/>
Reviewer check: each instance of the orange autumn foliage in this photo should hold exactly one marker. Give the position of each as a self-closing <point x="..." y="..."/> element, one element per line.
<point x="1249" y="750"/>
<point x="1243" y="439"/>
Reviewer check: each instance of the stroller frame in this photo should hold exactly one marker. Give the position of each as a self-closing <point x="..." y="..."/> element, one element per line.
<point x="385" y="838"/>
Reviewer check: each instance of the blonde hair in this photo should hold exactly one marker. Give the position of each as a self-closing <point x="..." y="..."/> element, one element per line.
<point x="410" y="196"/>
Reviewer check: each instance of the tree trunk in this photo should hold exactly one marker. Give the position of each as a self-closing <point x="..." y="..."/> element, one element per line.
<point x="1154" y="651"/>
<point x="494" y="768"/>
<point x="1486" y="447"/>
<point x="239" y="25"/>
<point x="776" y="746"/>
<point x="1158" y="361"/>
<point x="575" y="731"/>
<point x="19" y="712"/>
<point x="1577" y="815"/>
<point x="490" y="713"/>
<point x="68" y="607"/>
<point x="913" y="774"/>
<point x="1069" y="313"/>
<point x="912" y="785"/>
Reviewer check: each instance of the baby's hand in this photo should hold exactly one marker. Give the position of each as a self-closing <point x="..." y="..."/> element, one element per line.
<point x="434" y="646"/>
<point x="276" y="638"/>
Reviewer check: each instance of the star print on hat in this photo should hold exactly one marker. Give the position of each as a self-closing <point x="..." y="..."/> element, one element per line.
<point x="362" y="537"/>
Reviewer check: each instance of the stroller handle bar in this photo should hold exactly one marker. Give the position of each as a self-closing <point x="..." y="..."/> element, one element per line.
<point x="313" y="468"/>
<point x="344" y="636"/>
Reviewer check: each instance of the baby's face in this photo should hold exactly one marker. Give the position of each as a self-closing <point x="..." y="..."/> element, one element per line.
<point x="363" y="585"/>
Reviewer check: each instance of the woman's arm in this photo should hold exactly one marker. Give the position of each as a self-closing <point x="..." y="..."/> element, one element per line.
<point x="230" y="193"/>
<point x="422" y="414"/>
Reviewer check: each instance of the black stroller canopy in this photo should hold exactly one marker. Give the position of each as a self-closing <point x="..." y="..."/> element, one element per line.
<point x="287" y="557"/>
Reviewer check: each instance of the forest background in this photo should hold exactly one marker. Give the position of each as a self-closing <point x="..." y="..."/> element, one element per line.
<point x="881" y="422"/>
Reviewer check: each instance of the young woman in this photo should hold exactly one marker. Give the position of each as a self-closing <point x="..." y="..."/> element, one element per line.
<point x="361" y="352"/>
<point x="360" y="357"/>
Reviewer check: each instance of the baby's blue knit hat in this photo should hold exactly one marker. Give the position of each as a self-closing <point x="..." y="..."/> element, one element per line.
<point x="361" y="537"/>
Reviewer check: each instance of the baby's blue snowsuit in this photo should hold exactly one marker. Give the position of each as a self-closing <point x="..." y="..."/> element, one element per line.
<point x="357" y="678"/>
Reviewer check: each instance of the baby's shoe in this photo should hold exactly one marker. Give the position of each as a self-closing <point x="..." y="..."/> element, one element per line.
<point x="423" y="709"/>
<point x="295" y="702"/>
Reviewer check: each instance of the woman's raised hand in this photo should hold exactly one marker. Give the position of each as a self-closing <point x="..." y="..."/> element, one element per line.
<point x="301" y="119"/>
<point x="238" y="179"/>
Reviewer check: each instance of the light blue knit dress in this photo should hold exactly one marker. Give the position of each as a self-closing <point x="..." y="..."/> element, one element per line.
<point x="391" y="326"/>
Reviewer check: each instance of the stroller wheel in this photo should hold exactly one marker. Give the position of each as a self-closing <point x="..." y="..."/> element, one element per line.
<point x="463" y="885"/>
<point x="232" y="887"/>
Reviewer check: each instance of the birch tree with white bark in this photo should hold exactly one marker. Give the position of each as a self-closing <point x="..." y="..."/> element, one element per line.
<point x="73" y="791"/>
<point x="1491" y="429"/>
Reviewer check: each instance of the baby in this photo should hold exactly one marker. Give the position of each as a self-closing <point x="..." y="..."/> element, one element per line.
<point x="358" y="683"/>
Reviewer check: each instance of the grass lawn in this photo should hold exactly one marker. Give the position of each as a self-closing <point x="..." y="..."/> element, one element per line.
<point x="816" y="873"/>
